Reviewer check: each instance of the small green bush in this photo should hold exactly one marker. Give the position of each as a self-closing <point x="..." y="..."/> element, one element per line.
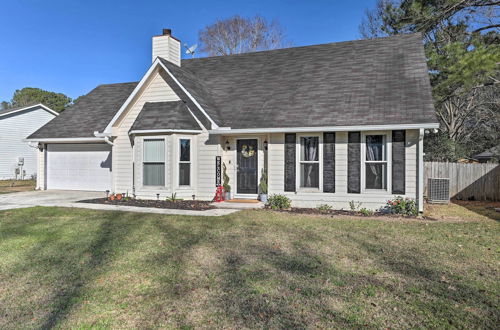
<point x="173" y="198"/>
<point x="366" y="212"/>
<point x="354" y="206"/>
<point x="324" y="208"/>
<point x="279" y="202"/>
<point x="403" y="206"/>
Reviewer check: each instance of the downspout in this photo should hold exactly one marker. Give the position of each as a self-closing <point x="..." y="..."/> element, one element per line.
<point x="420" y="167"/>
<point x="105" y="136"/>
<point x="106" y="139"/>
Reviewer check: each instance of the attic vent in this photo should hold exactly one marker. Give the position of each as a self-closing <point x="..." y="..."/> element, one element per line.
<point x="438" y="190"/>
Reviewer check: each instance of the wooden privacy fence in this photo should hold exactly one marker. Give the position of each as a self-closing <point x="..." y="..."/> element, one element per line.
<point x="467" y="181"/>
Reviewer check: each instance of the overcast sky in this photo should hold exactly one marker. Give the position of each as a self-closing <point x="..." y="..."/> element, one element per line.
<point x="71" y="46"/>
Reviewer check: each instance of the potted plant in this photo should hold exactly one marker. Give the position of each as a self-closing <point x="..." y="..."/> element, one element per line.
<point x="119" y="197"/>
<point x="225" y="184"/>
<point x="263" y="187"/>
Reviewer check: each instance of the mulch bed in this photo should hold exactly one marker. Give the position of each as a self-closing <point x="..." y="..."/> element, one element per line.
<point x="181" y="205"/>
<point x="304" y="210"/>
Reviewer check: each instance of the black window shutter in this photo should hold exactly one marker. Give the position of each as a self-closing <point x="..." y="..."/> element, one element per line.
<point x="290" y="161"/>
<point x="354" y="163"/>
<point x="329" y="162"/>
<point x="398" y="162"/>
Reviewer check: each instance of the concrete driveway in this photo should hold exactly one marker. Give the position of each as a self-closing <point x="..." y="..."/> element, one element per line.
<point x="45" y="198"/>
<point x="67" y="198"/>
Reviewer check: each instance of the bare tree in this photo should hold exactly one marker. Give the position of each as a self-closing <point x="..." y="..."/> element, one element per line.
<point x="236" y="35"/>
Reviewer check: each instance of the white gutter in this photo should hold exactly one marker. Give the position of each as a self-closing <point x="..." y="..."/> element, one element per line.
<point x="30" y="107"/>
<point x="229" y="131"/>
<point x="104" y="136"/>
<point x="66" y="140"/>
<point x="160" y="131"/>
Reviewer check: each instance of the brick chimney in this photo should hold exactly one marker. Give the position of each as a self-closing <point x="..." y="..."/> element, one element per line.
<point x="167" y="47"/>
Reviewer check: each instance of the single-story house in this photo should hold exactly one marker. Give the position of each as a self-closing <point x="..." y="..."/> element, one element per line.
<point x="329" y="123"/>
<point x="18" y="159"/>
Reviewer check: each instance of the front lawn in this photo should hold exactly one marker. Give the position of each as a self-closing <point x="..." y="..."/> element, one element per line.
<point x="75" y="268"/>
<point x="9" y="186"/>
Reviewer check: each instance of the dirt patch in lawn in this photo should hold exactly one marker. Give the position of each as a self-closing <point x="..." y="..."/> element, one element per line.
<point x="463" y="210"/>
<point x="181" y="205"/>
<point x="10" y="186"/>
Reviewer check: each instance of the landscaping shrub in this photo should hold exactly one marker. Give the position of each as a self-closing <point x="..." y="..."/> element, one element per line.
<point x="279" y="202"/>
<point x="403" y="206"/>
<point x="366" y="212"/>
<point x="324" y="208"/>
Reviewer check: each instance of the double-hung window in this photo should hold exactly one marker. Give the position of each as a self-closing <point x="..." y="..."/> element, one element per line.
<point x="309" y="162"/>
<point x="376" y="162"/>
<point x="184" y="162"/>
<point x="154" y="162"/>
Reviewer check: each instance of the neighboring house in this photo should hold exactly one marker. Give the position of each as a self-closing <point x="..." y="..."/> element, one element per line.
<point x="330" y="123"/>
<point x="488" y="156"/>
<point x="18" y="159"/>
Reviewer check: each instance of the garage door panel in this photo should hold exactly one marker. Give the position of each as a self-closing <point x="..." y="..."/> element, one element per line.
<point x="79" y="167"/>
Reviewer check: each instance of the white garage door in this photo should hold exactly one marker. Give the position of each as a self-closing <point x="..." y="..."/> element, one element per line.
<point x="79" y="167"/>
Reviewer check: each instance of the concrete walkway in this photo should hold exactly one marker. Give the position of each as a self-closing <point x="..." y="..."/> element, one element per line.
<point x="62" y="198"/>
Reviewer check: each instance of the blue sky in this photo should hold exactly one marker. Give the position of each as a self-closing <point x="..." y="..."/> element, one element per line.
<point x="71" y="46"/>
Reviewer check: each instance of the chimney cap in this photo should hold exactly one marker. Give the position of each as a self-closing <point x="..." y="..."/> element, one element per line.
<point x="167" y="32"/>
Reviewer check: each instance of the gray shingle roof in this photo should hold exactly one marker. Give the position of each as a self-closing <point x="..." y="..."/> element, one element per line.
<point x="364" y="82"/>
<point x="92" y="112"/>
<point x="489" y="153"/>
<point x="165" y="115"/>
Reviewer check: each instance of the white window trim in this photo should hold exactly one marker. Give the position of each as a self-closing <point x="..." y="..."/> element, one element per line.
<point x="388" y="149"/>
<point x="146" y="187"/>
<point x="298" y="162"/>
<point x="178" y="161"/>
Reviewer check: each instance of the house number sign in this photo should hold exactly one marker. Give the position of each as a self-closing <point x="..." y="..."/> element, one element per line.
<point x="218" y="170"/>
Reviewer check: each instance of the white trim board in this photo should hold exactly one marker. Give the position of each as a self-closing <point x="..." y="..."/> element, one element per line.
<point x="167" y="131"/>
<point x="67" y="140"/>
<point x="229" y="131"/>
<point x="157" y="62"/>
<point x="190" y="96"/>
<point x="29" y="107"/>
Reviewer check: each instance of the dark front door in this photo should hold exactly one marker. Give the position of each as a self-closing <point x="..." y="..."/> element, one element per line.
<point x="247" y="166"/>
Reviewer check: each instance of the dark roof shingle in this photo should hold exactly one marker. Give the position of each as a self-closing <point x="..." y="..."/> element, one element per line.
<point x="364" y="82"/>
<point x="381" y="81"/>
<point x="165" y="115"/>
<point x="92" y="112"/>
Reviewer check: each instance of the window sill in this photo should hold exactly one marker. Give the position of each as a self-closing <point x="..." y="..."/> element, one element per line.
<point x="376" y="191"/>
<point x="308" y="190"/>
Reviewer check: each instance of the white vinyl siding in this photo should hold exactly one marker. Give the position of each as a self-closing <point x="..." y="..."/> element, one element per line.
<point x="154" y="90"/>
<point x="14" y="129"/>
<point x="339" y="199"/>
<point x="168" y="48"/>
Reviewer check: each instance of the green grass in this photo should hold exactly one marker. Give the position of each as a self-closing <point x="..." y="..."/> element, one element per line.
<point x="74" y="268"/>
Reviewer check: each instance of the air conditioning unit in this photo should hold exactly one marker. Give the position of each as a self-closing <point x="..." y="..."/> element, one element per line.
<point x="438" y="190"/>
